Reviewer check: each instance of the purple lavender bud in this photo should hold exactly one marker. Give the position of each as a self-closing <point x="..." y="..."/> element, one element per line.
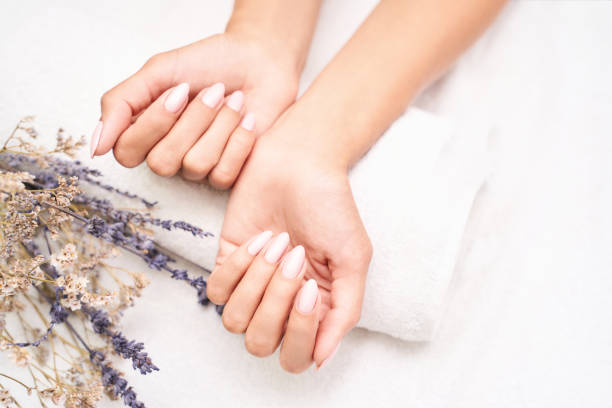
<point x="219" y="309"/>
<point x="96" y="226"/>
<point x="179" y="274"/>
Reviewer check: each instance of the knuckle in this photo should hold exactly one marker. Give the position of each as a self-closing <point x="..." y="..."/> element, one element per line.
<point x="236" y="262"/>
<point x="196" y="165"/>
<point x="243" y="140"/>
<point x="161" y="165"/>
<point x="125" y="157"/>
<point x="290" y="367"/>
<point x="364" y="255"/>
<point x="215" y="293"/>
<point x="354" y="318"/>
<point x="104" y="99"/>
<point x="232" y="322"/>
<point x="221" y="179"/>
<point x="369" y="250"/>
<point x="258" y="345"/>
<point x="154" y="60"/>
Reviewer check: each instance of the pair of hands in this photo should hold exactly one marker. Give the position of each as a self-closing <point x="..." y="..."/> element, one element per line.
<point x="301" y="196"/>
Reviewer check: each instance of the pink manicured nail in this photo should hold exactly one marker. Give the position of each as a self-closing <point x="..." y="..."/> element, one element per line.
<point x="277" y="247"/>
<point x="248" y="122"/>
<point x="95" y="139"/>
<point x="293" y="262"/>
<point x="235" y="101"/>
<point x="308" y="297"/>
<point x="328" y="359"/>
<point x="177" y="97"/>
<point x="259" y="242"/>
<point x="213" y="95"/>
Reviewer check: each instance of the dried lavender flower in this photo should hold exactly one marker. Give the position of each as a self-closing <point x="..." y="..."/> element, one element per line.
<point x="43" y="206"/>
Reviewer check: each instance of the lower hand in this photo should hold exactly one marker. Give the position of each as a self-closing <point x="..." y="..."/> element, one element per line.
<point x="288" y="189"/>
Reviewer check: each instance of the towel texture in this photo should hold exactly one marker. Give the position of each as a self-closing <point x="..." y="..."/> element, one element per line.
<point x="414" y="199"/>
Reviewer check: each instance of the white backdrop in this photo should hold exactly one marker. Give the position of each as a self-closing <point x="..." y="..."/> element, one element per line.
<point x="528" y="320"/>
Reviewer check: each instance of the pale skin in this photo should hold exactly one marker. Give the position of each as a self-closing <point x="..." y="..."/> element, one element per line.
<point x="294" y="183"/>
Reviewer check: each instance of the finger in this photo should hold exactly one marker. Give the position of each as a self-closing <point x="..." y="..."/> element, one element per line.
<point x="245" y="298"/>
<point x="226" y="276"/>
<point x="206" y="152"/>
<point x="154" y="123"/>
<point x="347" y="296"/>
<point x="298" y="345"/>
<point x="266" y="328"/>
<point x="238" y="148"/>
<point x="128" y="99"/>
<point x="167" y="155"/>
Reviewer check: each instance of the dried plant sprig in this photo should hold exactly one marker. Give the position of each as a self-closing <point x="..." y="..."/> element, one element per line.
<point x="43" y="205"/>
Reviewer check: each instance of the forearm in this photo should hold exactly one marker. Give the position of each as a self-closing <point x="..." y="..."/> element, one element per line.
<point x="398" y="50"/>
<point x="287" y="26"/>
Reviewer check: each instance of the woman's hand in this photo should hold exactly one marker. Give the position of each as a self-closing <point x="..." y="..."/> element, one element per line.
<point x="286" y="188"/>
<point x="150" y="116"/>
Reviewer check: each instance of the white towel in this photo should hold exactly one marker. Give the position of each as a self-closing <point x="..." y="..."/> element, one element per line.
<point x="414" y="191"/>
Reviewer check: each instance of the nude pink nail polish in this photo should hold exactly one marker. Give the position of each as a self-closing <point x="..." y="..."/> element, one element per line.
<point x="248" y="122"/>
<point x="95" y="139"/>
<point x="235" y="101"/>
<point x="259" y="242"/>
<point x="177" y="97"/>
<point x="293" y="262"/>
<point x="277" y="247"/>
<point x="213" y="95"/>
<point x="328" y="359"/>
<point x="308" y="297"/>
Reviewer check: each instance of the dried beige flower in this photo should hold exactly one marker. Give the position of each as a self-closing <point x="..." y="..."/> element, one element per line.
<point x="13" y="182"/>
<point x="19" y="356"/>
<point x="64" y="260"/>
<point x="6" y="400"/>
<point x="97" y="300"/>
<point x="85" y="397"/>
<point x="54" y="394"/>
<point x="140" y="280"/>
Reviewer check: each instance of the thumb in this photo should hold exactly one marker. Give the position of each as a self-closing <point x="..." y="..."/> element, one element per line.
<point x="346" y="301"/>
<point x="126" y="100"/>
<point x="226" y="248"/>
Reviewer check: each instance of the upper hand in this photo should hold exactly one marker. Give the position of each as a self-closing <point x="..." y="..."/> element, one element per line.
<point x="149" y="116"/>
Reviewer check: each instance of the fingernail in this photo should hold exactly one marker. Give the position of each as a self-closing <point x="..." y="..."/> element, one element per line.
<point x="277" y="247"/>
<point x="248" y="122"/>
<point x="259" y="242"/>
<point x="328" y="359"/>
<point x="293" y="263"/>
<point x="95" y="139"/>
<point x="235" y="101"/>
<point x="177" y="97"/>
<point x="213" y="95"/>
<point x="308" y="297"/>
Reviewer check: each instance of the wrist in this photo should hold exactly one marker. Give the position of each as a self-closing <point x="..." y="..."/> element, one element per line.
<point x="312" y="138"/>
<point x="269" y="38"/>
<point x="335" y="131"/>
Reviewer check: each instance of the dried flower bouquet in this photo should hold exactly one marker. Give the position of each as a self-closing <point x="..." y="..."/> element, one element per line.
<point x="56" y="281"/>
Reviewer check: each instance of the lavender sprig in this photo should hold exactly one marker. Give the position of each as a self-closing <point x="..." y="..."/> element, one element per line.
<point x="128" y="349"/>
<point x="113" y="380"/>
<point x="38" y="191"/>
<point x="110" y="377"/>
<point x="48" y="180"/>
<point x="58" y="315"/>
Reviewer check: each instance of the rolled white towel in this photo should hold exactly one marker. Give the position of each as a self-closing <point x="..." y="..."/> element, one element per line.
<point x="414" y="190"/>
